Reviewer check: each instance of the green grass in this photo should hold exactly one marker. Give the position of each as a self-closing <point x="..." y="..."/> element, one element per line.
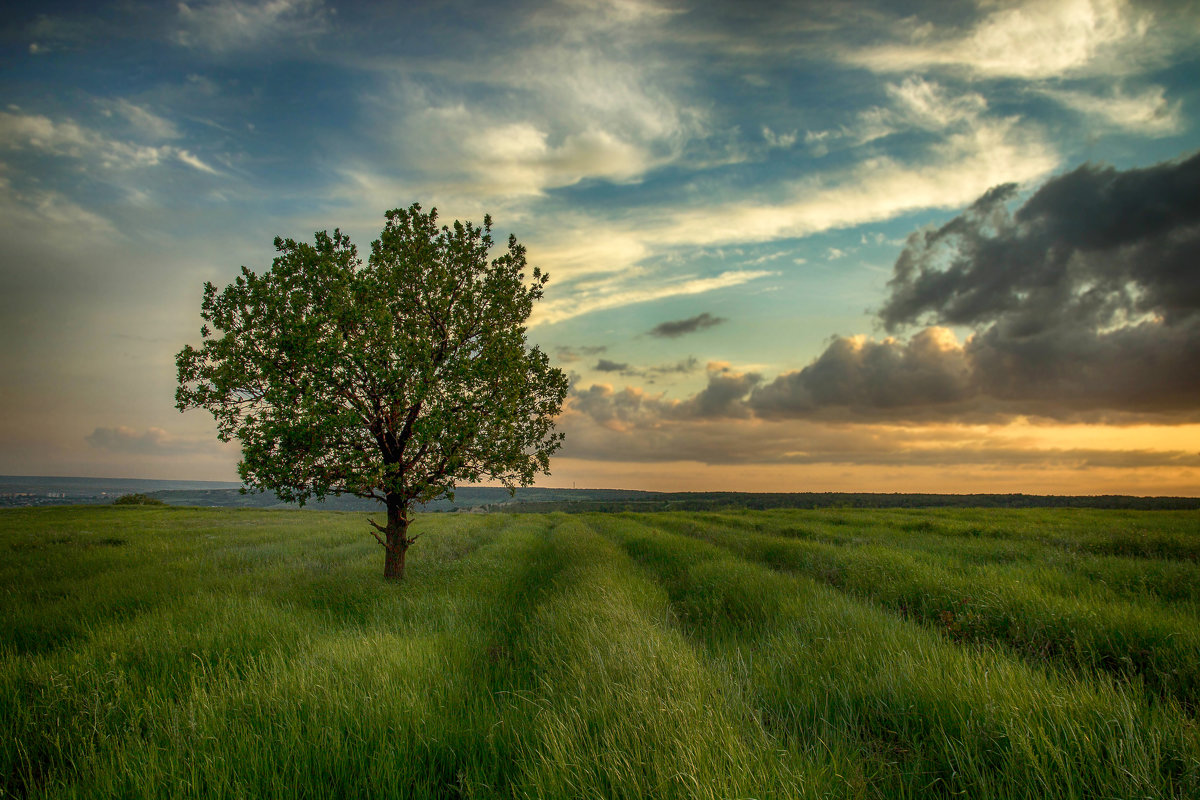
<point x="151" y="652"/>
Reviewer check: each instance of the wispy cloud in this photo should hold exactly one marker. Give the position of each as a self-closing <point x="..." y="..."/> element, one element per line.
<point x="916" y="104"/>
<point x="193" y="162"/>
<point x="67" y="138"/>
<point x="566" y="94"/>
<point x="952" y="173"/>
<point x="1147" y="112"/>
<point x="780" y="140"/>
<point x="974" y="152"/>
<point x="143" y="120"/>
<point x="225" y="25"/>
<point x="1032" y="39"/>
<point x="618" y="294"/>
<point x="468" y="150"/>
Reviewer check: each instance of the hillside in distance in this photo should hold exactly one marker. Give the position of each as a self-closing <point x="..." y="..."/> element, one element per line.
<point x="37" y="491"/>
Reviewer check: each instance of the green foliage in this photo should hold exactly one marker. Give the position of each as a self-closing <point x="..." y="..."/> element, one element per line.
<point x="137" y="499"/>
<point x="393" y="380"/>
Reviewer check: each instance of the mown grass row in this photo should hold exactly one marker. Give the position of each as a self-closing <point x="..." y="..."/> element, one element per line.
<point x="269" y="680"/>
<point x="927" y="717"/>
<point x="1150" y="644"/>
<point x="537" y="664"/>
<point x="1140" y="534"/>
<point x="526" y="656"/>
<point x="1135" y="555"/>
<point x="623" y="706"/>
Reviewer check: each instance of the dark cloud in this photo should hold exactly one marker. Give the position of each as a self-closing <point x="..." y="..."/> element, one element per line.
<point x="1089" y="248"/>
<point x="681" y="327"/>
<point x="864" y="378"/>
<point x="1084" y="304"/>
<point x="683" y="367"/>
<point x="569" y="355"/>
<point x="722" y="397"/>
<point x="687" y="365"/>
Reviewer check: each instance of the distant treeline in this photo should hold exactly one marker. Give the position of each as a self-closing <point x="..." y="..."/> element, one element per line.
<point x="712" y="501"/>
<point x="580" y="500"/>
<point x="54" y="491"/>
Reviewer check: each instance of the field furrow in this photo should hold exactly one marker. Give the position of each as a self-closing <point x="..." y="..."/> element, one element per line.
<point x="923" y="716"/>
<point x="623" y="705"/>
<point x="1059" y="561"/>
<point x="1153" y="646"/>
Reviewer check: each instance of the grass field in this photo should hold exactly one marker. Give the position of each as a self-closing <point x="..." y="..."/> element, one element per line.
<point x="155" y="652"/>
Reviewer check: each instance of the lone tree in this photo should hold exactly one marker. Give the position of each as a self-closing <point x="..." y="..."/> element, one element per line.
<point x="395" y="380"/>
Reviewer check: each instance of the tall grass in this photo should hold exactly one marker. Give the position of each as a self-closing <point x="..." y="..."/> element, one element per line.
<point x="1147" y="642"/>
<point x="1119" y="553"/>
<point x="926" y="716"/>
<point x="202" y="653"/>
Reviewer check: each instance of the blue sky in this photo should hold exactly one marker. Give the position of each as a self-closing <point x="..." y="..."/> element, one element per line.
<point x="748" y="174"/>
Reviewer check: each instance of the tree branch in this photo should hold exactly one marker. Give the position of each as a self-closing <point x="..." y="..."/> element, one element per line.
<point x="406" y="433"/>
<point x="379" y="527"/>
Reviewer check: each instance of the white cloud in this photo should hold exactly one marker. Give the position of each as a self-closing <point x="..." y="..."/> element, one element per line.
<point x="780" y="140"/>
<point x="917" y="104"/>
<point x="193" y="162"/>
<point x="474" y="158"/>
<point x="225" y="25"/>
<point x="67" y="138"/>
<point x="583" y="93"/>
<point x="1148" y="112"/>
<point x="976" y="152"/>
<point x="144" y="121"/>
<point x="609" y="14"/>
<point x="48" y="212"/>
<point x="927" y="105"/>
<point x="617" y="293"/>
<point x="1031" y="39"/>
<point x="954" y="173"/>
<point x="483" y="154"/>
<point x="582" y="249"/>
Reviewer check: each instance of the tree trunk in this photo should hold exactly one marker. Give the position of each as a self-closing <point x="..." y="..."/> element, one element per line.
<point x="397" y="541"/>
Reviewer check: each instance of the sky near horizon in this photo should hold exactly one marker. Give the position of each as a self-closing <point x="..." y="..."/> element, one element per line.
<point x="862" y="246"/>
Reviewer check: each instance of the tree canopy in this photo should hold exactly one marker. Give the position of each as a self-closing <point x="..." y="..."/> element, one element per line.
<point x="394" y="380"/>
